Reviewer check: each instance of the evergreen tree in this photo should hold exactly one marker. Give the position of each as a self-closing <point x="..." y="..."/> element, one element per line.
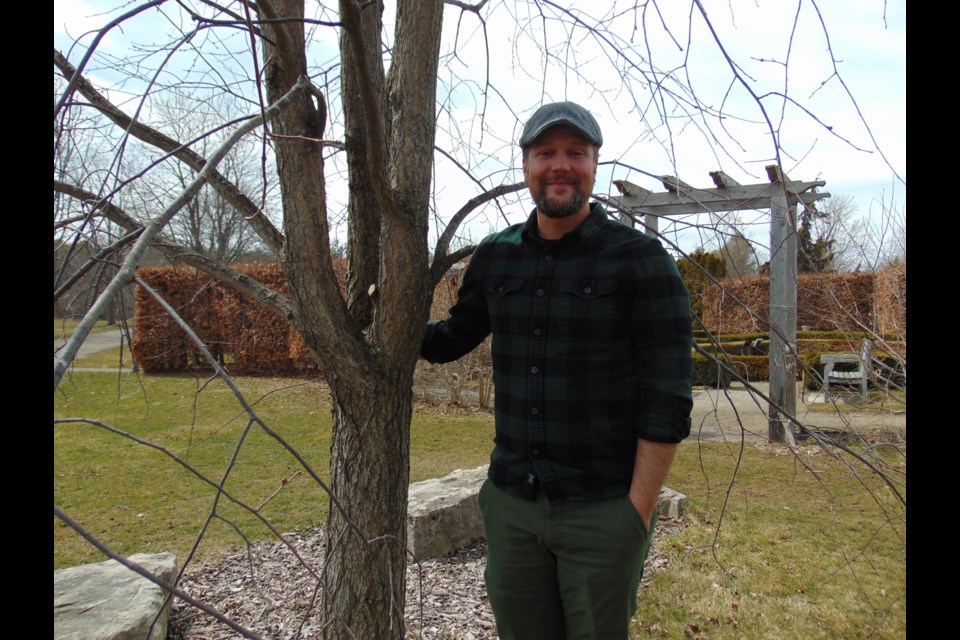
<point x="692" y="269"/>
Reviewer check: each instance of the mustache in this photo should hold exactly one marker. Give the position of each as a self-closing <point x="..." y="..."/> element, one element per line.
<point x="569" y="179"/>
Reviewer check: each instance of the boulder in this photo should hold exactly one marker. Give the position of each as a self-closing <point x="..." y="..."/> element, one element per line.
<point x="443" y="514"/>
<point x="671" y="504"/>
<point x="108" y="601"/>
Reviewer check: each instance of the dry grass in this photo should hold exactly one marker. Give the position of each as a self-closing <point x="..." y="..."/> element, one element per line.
<point x="802" y="545"/>
<point x="138" y="500"/>
<point x="63" y="327"/>
<point x="109" y="359"/>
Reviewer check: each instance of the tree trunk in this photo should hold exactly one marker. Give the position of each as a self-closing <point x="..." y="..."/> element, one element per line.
<point x="368" y="343"/>
<point x="365" y="570"/>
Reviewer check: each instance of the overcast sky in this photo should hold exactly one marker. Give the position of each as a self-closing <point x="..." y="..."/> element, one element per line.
<point x="862" y="154"/>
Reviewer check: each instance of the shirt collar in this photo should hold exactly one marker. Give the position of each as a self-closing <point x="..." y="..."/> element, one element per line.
<point x="587" y="229"/>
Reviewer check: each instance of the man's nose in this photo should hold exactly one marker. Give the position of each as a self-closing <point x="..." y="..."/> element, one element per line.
<point x="561" y="162"/>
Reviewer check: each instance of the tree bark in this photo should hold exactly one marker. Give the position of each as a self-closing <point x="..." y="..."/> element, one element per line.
<point x="370" y="469"/>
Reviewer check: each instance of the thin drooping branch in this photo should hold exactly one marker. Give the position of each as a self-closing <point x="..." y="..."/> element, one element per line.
<point x="856" y="106"/>
<point x="126" y="272"/>
<point x="254" y="419"/>
<point x="270" y="235"/>
<point x="238" y="23"/>
<point x="475" y="8"/>
<point x="222" y="374"/>
<point x="75" y="77"/>
<point x="813" y="432"/>
<point x="735" y="70"/>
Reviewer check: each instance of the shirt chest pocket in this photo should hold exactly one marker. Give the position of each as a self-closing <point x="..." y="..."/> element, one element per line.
<point x="592" y="309"/>
<point x="507" y="302"/>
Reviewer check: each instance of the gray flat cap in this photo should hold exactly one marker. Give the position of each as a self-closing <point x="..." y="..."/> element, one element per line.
<point x="568" y="113"/>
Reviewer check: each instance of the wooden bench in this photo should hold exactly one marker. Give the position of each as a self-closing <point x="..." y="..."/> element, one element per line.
<point x="860" y="376"/>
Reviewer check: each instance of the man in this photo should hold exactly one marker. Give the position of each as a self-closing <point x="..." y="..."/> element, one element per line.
<point x="591" y="365"/>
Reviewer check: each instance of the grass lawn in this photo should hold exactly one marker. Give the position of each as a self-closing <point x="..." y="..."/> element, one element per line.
<point x="136" y="499"/>
<point x="798" y="546"/>
<point x="846" y="401"/>
<point x="64" y="327"/>
<point x="108" y="359"/>
<point x="777" y="544"/>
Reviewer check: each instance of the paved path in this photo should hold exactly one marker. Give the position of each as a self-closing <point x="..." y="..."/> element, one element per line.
<point x="725" y="415"/>
<point x="95" y="343"/>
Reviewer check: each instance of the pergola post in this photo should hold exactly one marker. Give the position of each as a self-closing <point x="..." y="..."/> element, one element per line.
<point x="783" y="313"/>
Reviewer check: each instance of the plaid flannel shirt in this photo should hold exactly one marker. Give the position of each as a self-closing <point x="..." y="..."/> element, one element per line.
<point x="591" y="350"/>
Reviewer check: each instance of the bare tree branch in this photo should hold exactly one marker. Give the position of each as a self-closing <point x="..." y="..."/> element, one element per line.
<point x="265" y="229"/>
<point x="441" y="261"/>
<point x="375" y="140"/>
<point x="475" y="8"/>
<point x="94" y="259"/>
<point x="74" y="75"/>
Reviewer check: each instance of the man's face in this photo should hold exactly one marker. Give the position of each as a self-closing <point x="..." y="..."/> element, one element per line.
<point x="560" y="168"/>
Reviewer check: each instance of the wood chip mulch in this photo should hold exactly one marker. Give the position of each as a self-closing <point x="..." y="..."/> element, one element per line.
<point x="267" y="590"/>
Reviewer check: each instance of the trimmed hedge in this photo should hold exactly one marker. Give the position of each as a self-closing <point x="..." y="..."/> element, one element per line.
<point x="825" y="302"/>
<point x="707" y="373"/>
<point x="248" y="337"/>
<point x="159" y="345"/>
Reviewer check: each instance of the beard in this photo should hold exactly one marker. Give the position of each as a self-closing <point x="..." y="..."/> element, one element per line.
<point x="560" y="209"/>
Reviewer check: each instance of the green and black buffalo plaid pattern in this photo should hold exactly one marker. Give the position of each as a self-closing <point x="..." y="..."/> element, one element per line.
<point x="591" y="350"/>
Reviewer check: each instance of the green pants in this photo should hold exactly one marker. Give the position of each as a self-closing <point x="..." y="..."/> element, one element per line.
<point x="569" y="570"/>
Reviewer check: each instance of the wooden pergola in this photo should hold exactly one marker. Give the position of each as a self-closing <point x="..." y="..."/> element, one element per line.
<point x="781" y="196"/>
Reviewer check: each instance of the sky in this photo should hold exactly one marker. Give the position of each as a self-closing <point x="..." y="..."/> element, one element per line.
<point x="842" y="65"/>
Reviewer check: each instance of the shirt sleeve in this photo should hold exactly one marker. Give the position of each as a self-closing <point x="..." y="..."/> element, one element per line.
<point x="468" y="324"/>
<point x="663" y="344"/>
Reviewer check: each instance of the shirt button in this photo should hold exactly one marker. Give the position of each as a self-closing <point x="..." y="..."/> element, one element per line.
<point x="540" y="292"/>
<point x="588" y="290"/>
<point x="534" y="411"/>
<point x="535" y="452"/>
<point x="534" y="370"/>
<point x="537" y="332"/>
<point x="549" y="258"/>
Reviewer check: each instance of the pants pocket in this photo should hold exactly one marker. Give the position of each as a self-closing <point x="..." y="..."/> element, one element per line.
<point x="635" y="516"/>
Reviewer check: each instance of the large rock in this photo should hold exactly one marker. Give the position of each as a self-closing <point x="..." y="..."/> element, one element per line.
<point x="671" y="504"/>
<point x="108" y="601"/>
<point x="444" y="513"/>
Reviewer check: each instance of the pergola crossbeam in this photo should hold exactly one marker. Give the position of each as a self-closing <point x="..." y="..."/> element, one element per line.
<point x="690" y="200"/>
